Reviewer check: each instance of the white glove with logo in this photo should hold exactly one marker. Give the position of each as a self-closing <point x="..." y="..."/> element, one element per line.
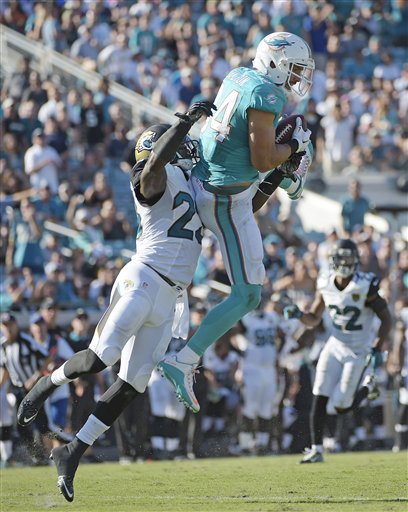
<point x="301" y="136"/>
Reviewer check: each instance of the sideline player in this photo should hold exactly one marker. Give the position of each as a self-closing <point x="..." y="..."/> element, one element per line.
<point x="352" y="299"/>
<point x="236" y="145"/>
<point x="137" y="326"/>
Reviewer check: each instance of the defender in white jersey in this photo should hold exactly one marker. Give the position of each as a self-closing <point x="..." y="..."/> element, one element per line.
<point x="138" y="324"/>
<point x="352" y="299"/>
<point x="260" y="379"/>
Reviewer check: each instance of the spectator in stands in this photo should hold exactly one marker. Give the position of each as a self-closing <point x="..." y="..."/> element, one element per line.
<point x="85" y="48"/>
<point x="29" y="116"/>
<point x="91" y="119"/>
<point x="49" y="108"/>
<point x="42" y="162"/>
<point x="188" y="89"/>
<point x="339" y="137"/>
<point x="46" y="204"/>
<point x="260" y="28"/>
<point x="354" y="208"/>
<point x="113" y="224"/>
<point x="12" y="151"/>
<point x="117" y="143"/>
<point x="11" y="121"/>
<point x="98" y="192"/>
<point x="25" y="236"/>
<point x="51" y="33"/>
<point x="16" y="83"/>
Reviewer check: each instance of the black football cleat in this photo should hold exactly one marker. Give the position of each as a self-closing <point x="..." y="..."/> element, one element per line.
<point x="66" y="464"/>
<point x="33" y="401"/>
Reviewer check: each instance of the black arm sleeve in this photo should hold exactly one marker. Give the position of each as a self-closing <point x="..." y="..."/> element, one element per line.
<point x="271" y="182"/>
<point x="374" y="299"/>
<point x="168" y="144"/>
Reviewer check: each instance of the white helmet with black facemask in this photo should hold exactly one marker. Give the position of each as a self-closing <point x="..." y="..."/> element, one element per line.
<point x="344" y="258"/>
<point x="287" y="59"/>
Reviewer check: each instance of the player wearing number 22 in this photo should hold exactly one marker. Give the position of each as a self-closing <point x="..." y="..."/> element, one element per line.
<point x="238" y="151"/>
<point x="352" y="300"/>
<point x="148" y="300"/>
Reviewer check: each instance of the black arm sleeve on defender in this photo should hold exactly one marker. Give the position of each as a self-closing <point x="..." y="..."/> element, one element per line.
<point x="168" y="144"/>
<point x="271" y="182"/>
<point x="374" y="300"/>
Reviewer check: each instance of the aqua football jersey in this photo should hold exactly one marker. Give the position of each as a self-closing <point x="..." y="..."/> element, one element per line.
<point x="224" y="141"/>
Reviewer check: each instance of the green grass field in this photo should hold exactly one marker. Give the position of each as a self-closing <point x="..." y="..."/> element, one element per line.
<point x="373" y="481"/>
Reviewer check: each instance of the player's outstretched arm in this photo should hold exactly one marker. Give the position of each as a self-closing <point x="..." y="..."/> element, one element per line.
<point x="153" y="177"/>
<point x="312" y="318"/>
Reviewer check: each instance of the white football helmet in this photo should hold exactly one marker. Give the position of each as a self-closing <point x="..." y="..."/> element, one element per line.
<point x="287" y="59"/>
<point x="344" y="258"/>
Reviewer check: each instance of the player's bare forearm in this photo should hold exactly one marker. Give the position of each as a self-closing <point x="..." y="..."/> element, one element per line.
<point x="384" y="329"/>
<point x="314" y="316"/>
<point x="310" y="319"/>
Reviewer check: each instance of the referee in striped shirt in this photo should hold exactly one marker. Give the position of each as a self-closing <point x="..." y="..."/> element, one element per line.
<point x="23" y="360"/>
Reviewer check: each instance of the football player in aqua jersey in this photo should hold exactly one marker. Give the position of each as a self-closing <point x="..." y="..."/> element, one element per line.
<point x="237" y="150"/>
<point x="352" y="299"/>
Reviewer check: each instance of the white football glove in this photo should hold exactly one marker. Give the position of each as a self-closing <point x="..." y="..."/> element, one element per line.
<point x="301" y="135"/>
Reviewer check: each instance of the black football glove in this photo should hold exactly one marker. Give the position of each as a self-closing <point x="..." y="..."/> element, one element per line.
<point x="291" y="165"/>
<point x="197" y="110"/>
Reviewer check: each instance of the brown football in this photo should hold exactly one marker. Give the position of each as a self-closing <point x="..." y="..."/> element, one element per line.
<point x="284" y="130"/>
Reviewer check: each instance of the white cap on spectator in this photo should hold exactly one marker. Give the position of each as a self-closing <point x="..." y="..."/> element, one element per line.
<point x="7" y="103"/>
<point x="81" y="215"/>
<point x="52" y="267"/>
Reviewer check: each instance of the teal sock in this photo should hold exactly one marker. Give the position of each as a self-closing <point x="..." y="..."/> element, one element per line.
<point x="221" y="318"/>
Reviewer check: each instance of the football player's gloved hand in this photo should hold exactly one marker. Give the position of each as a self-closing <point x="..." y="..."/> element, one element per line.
<point x="291" y="311"/>
<point x="291" y="165"/>
<point x="375" y="357"/>
<point x="197" y="110"/>
<point x="295" y="183"/>
<point x="301" y="136"/>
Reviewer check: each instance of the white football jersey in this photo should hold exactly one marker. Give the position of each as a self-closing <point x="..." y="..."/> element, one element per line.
<point x="351" y="319"/>
<point x="261" y="334"/>
<point x="170" y="231"/>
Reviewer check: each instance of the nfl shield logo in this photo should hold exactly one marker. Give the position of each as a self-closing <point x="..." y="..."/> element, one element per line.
<point x="355" y="296"/>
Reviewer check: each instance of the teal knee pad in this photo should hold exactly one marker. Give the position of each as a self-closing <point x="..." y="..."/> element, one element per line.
<point x="249" y="296"/>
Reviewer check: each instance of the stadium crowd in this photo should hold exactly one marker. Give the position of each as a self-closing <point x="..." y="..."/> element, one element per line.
<point x="66" y="227"/>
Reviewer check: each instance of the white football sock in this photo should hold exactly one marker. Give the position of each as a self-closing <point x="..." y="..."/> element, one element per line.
<point x="92" y="429"/>
<point x="188" y="356"/>
<point x="172" y="444"/>
<point x="317" y="447"/>
<point x="158" y="442"/>
<point x="6" y="450"/>
<point x="58" y="376"/>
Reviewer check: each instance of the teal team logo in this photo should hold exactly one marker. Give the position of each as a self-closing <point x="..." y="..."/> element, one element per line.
<point x="278" y="43"/>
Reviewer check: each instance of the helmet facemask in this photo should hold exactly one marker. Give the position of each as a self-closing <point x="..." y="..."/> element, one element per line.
<point x="344" y="262"/>
<point x="187" y="154"/>
<point x="300" y="79"/>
